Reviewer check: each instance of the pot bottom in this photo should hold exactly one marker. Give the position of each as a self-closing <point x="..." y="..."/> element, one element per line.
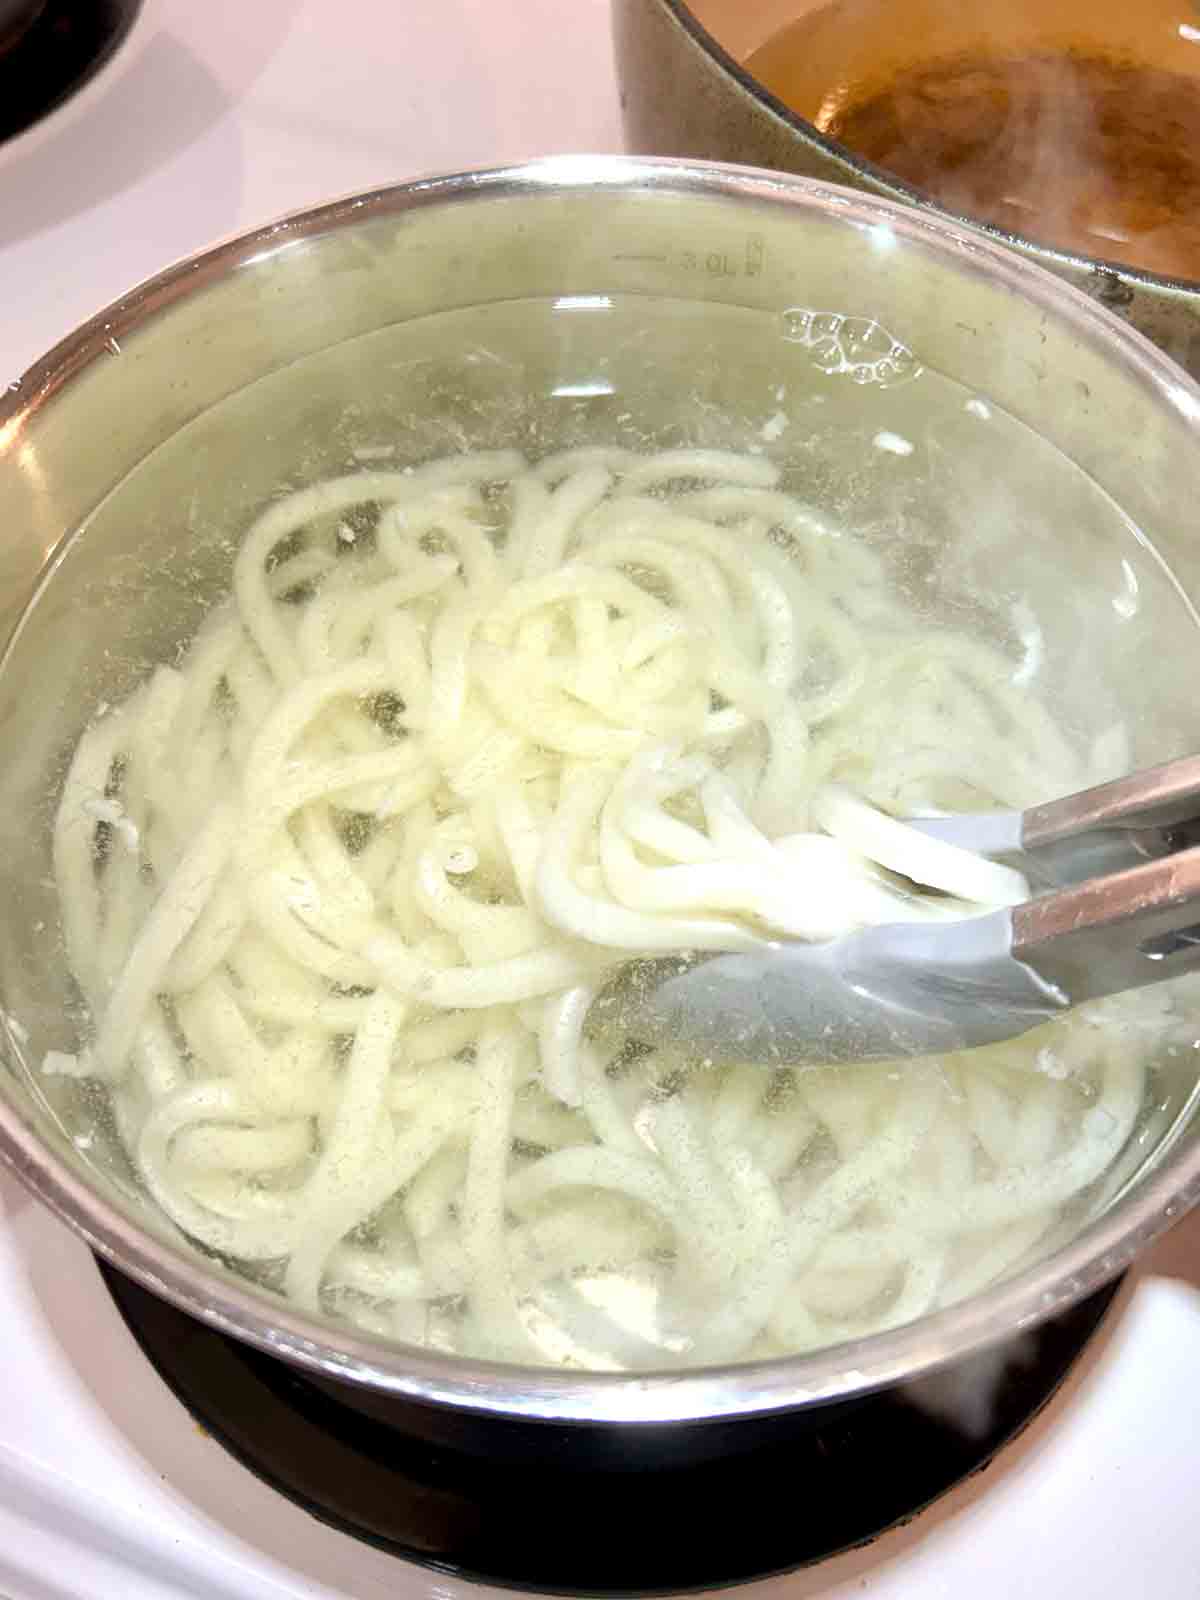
<point x="760" y="1496"/>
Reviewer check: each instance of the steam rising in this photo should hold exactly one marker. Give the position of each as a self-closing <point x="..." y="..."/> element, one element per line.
<point x="1075" y="126"/>
<point x="1097" y="157"/>
<point x="967" y="1395"/>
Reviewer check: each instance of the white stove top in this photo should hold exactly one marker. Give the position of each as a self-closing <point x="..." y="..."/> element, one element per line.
<point x="216" y="117"/>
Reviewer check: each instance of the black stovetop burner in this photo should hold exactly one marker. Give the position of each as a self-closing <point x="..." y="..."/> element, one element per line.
<point x="67" y="43"/>
<point x="792" y="1491"/>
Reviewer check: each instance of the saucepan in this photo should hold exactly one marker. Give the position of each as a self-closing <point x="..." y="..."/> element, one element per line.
<point x="862" y="348"/>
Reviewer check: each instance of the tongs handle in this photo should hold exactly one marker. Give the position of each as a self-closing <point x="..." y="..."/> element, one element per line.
<point x="1108" y="828"/>
<point x="1164" y="797"/>
<point x="1117" y="932"/>
<point x="1127" y="855"/>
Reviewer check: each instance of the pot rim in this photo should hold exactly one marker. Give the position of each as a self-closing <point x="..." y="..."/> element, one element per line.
<point x="235" y="1307"/>
<point x="895" y="186"/>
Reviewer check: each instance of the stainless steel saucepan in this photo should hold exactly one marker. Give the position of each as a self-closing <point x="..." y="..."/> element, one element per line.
<point x="136" y="450"/>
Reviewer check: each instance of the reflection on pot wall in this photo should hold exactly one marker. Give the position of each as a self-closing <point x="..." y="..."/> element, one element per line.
<point x="717" y="113"/>
<point x="743" y="26"/>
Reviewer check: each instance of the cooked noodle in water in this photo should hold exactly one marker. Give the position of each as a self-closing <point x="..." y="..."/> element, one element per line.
<point x="339" y="887"/>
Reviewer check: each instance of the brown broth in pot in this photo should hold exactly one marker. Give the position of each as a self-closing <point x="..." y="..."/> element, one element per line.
<point x="1092" y="151"/>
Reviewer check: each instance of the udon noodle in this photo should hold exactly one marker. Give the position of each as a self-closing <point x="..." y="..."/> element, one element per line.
<point x="338" y="888"/>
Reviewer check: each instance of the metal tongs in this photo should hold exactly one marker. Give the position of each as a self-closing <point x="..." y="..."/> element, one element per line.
<point x="1117" y="869"/>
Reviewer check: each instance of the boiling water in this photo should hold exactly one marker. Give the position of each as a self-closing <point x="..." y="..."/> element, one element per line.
<point x="982" y="526"/>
